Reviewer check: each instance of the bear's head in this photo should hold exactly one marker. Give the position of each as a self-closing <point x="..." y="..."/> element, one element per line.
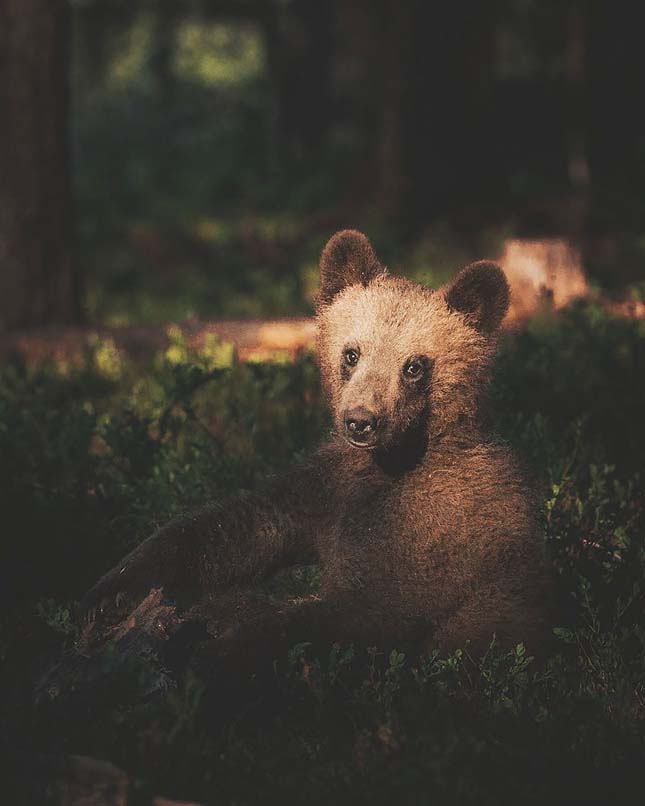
<point x="401" y="362"/>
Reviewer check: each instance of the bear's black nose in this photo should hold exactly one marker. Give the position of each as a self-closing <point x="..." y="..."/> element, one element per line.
<point x="361" y="425"/>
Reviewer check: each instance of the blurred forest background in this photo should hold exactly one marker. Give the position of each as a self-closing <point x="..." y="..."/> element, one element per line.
<point x="169" y="159"/>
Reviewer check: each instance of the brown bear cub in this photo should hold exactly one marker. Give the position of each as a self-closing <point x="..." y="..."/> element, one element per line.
<point x="423" y="524"/>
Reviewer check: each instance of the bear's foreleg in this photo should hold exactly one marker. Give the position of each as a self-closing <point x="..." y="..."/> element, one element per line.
<point x="236" y="543"/>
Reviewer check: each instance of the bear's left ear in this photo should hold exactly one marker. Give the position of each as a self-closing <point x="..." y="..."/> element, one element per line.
<point x="481" y="293"/>
<point x="348" y="259"/>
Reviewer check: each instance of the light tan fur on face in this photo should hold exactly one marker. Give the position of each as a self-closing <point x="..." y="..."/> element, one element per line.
<point x="389" y="321"/>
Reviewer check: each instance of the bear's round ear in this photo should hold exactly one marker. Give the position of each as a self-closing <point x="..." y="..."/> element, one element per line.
<point x="348" y="259"/>
<point x="481" y="293"/>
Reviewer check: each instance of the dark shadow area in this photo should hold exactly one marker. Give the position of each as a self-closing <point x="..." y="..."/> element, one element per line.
<point x="214" y="146"/>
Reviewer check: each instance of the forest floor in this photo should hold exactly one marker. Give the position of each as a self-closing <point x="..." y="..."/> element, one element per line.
<point x="95" y="452"/>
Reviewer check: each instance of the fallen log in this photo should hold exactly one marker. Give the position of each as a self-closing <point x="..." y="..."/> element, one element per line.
<point x="547" y="271"/>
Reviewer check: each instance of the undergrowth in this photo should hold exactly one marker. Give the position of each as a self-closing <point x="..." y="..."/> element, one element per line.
<point x="94" y="454"/>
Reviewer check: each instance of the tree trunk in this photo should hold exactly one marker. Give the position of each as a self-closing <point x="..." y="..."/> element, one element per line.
<point x="615" y="70"/>
<point x="578" y="162"/>
<point x="299" y="43"/>
<point x="420" y="99"/>
<point x="450" y="140"/>
<point x="167" y="18"/>
<point x="38" y="284"/>
<point x="394" y="183"/>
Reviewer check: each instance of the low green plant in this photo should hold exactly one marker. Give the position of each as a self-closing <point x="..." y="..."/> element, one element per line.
<point x="94" y="454"/>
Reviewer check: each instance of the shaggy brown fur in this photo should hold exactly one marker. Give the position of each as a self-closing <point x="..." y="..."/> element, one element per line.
<point x="423" y="524"/>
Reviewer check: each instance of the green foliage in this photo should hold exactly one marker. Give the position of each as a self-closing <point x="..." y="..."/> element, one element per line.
<point x="57" y="616"/>
<point x="93" y="455"/>
<point x="124" y="450"/>
<point x="185" y="203"/>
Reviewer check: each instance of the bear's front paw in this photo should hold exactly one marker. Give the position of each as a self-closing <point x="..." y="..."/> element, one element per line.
<point x="152" y="564"/>
<point x="119" y="592"/>
<point x="109" y="598"/>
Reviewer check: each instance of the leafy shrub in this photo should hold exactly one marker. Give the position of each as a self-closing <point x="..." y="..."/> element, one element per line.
<point x="93" y="455"/>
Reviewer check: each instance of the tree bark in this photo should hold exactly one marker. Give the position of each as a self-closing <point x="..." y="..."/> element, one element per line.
<point x="38" y="283"/>
<point x="394" y="182"/>
<point x="419" y="99"/>
<point x="299" y="45"/>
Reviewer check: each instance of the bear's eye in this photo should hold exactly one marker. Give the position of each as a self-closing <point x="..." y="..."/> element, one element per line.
<point x="351" y="357"/>
<point x="414" y="368"/>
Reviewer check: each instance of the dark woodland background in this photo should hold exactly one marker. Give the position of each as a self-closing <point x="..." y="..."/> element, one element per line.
<point x="190" y="157"/>
<point x="185" y="162"/>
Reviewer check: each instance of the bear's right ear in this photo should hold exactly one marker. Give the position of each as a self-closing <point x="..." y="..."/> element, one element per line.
<point x="348" y="259"/>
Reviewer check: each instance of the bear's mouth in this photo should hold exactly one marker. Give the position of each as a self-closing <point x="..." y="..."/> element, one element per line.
<point x="363" y="446"/>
